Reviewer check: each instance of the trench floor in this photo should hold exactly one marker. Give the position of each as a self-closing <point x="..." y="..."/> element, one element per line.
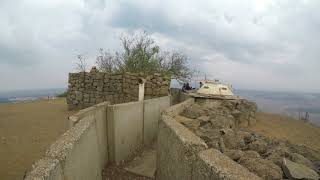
<point x="141" y="167"/>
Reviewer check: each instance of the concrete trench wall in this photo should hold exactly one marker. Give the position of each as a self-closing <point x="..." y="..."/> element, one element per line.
<point x="125" y="129"/>
<point x="153" y="108"/>
<point x="99" y="135"/>
<point x="183" y="155"/>
<point x="177" y="96"/>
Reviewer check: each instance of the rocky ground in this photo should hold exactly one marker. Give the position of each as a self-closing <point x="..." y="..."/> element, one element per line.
<point x="223" y="125"/>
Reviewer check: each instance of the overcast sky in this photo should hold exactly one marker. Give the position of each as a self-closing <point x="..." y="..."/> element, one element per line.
<point x="253" y="44"/>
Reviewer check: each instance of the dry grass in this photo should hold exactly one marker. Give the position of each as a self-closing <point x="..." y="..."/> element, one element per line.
<point x="286" y="128"/>
<point x="26" y="130"/>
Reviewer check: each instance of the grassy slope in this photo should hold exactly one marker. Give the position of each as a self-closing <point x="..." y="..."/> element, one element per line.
<point x="26" y="130"/>
<point x="282" y="127"/>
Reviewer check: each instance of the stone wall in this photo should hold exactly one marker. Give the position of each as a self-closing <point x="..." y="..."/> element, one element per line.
<point x="87" y="89"/>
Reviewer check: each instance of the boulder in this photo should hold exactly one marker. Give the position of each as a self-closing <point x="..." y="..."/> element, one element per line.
<point x="231" y="140"/>
<point x="311" y="154"/>
<point x="250" y="154"/>
<point x="298" y="158"/>
<point x="246" y="136"/>
<point x="276" y="154"/>
<point x="234" y="154"/>
<point x="193" y="112"/>
<point x="298" y="171"/>
<point x="222" y="121"/>
<point x="204" y="118"/>
<point x="264" y="168"/>
<point x="258" y="145"/>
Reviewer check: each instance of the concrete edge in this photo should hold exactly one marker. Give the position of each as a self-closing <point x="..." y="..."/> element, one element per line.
<point x="44" y="169"/>
<point x="110" y="132"/>
<point x="155" y="99"/>
<point x="75" y="118"/>
<point x="64" y="145"/>
<point x="178" y="108"/>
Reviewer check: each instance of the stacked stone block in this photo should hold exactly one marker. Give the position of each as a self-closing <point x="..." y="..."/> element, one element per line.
<point x="86" y="89"/>
<point x="156" y="86"/>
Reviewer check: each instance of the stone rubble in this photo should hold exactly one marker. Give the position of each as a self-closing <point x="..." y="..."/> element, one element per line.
<point x="222" y="125"/>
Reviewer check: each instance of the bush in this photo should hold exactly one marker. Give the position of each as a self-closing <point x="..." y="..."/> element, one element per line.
<point x="64" y="94"/>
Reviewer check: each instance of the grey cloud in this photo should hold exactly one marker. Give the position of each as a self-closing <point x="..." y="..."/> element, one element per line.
<point x="281" y="40"/>
<point x="212" y="38"/>
<point x="18" y="57"/>
<point x="204" y="34"/>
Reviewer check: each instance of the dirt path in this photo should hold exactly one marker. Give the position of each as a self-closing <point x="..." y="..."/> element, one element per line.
<point x="26" y="130"/>
<point x="282" y="127"/>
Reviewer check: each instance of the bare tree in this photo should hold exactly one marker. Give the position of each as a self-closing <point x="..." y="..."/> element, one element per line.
<point x="81" y="65"/>
<point x="107" y="62"/>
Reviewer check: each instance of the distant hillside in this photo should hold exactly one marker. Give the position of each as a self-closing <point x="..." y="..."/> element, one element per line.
<point x="286" y="103"/>
<point x="22" y="95"/>
<point x="4" y="100"/>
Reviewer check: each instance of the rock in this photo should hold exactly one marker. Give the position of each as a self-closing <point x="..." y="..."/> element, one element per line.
<point x="221" y="121"/>
<point x="234" y="154"/>
<point x="297" y="158"/>
<point x="222" y="145"/>
<point x="236" y="114"/>
<point x="264" y="168"/>
<point x="258" y="145"/>
<point x="298" y="171"/>
<point x="317" y="166"/>
<point x="308" y="153"/>
<point x="231" y="140"/>
<point x="276" y="154"/>
<point x="251" y="154"/>
<point x="193" y="112"/>
<point x="204" y="118"/>
<point x="244" y="135"/>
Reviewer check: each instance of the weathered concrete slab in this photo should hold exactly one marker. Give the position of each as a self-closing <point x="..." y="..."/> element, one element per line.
<point x="152" y="111"/>
<point x="125" y="129"/>
<point x="177" y="150"/>
<point x="144" y="165"/>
